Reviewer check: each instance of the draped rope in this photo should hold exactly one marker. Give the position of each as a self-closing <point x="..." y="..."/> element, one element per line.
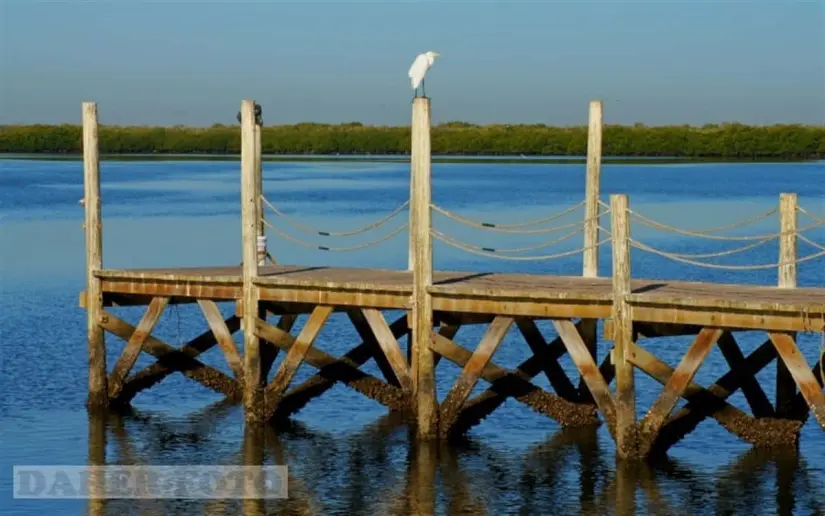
<point x="309" y="229"/>
<point x="678" y="258"/>
<point x="516" y="227"/>
<point x="470" y="248"/>
<point x="327" y="248"/>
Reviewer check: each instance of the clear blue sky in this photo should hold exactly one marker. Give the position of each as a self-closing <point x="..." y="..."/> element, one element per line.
<point x="191" y="62"/>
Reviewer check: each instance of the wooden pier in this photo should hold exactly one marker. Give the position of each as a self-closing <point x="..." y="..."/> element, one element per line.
<point x="433" y="305"/>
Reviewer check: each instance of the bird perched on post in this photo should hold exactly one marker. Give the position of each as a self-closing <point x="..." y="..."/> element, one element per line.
<point x="418" y="70"/>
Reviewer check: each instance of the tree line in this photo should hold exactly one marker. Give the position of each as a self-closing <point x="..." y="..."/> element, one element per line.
<point x="729" y="140"/>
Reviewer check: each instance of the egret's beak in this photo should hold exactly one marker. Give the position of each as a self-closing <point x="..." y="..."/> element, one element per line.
<point x="436" y="54"/>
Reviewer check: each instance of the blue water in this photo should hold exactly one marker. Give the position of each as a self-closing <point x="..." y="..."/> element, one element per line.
<point x="344" y="454"/>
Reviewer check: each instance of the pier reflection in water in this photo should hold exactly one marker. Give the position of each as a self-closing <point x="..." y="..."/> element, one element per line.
<point x="380" y="470"/>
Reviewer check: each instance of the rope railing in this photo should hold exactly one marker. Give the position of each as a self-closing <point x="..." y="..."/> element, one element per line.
<point x="708" y="232"/>
<point x="678" y="258"/>
<point x="810" y="215"/>
<point x="811" y="243"/>
<point x="312" y="230"/>
<point x="757" y="241"/>
<point x="311" y="245"/>
<point x="514" y="228"/>
<point x="491" y="253"/>
<point x="502" y="253"/>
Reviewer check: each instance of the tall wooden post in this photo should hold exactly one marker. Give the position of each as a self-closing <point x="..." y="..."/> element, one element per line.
<point x="788" y="204"/>
<point x="98" y="388"/>
<point x="253" y="389"/>
<point x="590" y="265"/>
<point x="592" y="187"/>
<point x="259" y="190"/>
<point x="423" y="367"/>
<point x="623" y="329"/>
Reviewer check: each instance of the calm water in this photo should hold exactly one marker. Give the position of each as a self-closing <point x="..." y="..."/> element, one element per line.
<point x="345" y="454"/>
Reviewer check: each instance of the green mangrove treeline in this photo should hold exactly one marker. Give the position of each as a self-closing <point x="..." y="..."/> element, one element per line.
<point x="730" y="140"/>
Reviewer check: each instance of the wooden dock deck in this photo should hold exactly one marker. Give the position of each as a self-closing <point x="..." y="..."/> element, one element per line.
<point x="434" y="305"/>
<point x="297" y="289"/>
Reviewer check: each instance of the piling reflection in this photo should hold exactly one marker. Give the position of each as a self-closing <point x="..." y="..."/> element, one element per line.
<point x="378" y="470"/>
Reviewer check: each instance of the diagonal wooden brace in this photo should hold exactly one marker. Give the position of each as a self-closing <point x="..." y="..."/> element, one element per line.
<point x="455" y="399"/>
<point x="583" y="359"/>
<point x="481" y="406"/>
<point x="675" y="386"/>
<point x="359" y="322"/>
<point x="800" y="406"/>
<point x="552" y="369"/>
<point x="342" y="370"/>
<point x="754" y="394"/>
<point x="316" y="385"/>
<point x="171" y="360"/>
<point x="223" y="336"/>
<point x="269" y="351"/>
<point x="297" y="352"/>
<point x="389" y="346"/>
<point x="703" y="403"/>
<point x="797" y="365"/>
<point x="135" y="343"/>
<point x="514" y="384"/>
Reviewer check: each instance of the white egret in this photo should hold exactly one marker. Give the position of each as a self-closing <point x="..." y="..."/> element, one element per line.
<point x="418" y="70"/>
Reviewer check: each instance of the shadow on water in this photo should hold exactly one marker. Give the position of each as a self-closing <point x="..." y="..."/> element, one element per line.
<point x="380" y="470"/>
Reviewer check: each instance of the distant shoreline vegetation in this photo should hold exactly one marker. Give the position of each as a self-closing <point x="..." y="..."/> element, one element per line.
<point x="731" y="141"/>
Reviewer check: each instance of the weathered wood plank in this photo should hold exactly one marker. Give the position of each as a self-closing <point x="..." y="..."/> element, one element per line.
<point x="297" y="352"/>
<point x="171" y="360"/>
<point x="133" y="346"/>
<point x="589" y="371"/>
<point x="675" y="386"/>
<point x="389" y="346"/>
<point x="361" y="325"/>
<point x="222" y="336"/>
<point x="798" y="367"/>
<point x="800" y="407"/>
<point x="472" y="371"/>
<point x="342" y="370"/>
<point x="448" y="331"/>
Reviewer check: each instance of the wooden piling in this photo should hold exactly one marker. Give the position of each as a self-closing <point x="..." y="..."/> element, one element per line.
<point x="423" y="368"/>
<point x="259" y="190"/>
<point x="623" y="333"/>
<point x="98" y="389"/>
<point x="788" y="204"/>
<point x="253" y="388"/>
<point x="592" y="190"/>
<point x="589" y="327"/>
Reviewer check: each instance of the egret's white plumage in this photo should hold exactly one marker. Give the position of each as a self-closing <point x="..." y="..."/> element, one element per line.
<point x="419" y="68"/>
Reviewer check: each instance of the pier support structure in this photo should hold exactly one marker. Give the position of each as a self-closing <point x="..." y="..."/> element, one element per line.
<point x="437" y="304"/>
<point x="98" y="387"/>
<point x="423" y="365"/>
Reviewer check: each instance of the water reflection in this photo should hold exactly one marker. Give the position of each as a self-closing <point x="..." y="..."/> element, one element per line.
<point x="379" y="470"/>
